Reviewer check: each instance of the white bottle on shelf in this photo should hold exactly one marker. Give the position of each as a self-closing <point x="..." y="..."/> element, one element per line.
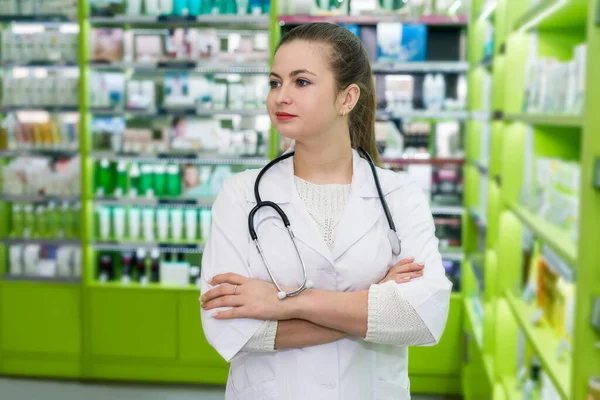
<point x="461" y="91"/>
<point x="428" y="91"/>
<point x="440" y="90"/>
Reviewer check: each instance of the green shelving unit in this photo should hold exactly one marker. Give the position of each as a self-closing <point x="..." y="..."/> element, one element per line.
<point x="514" y="137"/>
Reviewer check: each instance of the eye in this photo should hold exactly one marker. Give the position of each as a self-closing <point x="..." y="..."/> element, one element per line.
<point x="302" y="82"/>
<point x="273" y="84"/>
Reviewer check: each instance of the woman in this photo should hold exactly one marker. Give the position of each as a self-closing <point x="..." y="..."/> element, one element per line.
<point x="346" y="338"/>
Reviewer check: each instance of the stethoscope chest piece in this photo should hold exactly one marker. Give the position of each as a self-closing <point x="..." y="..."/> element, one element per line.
<point x="394" y="242"/>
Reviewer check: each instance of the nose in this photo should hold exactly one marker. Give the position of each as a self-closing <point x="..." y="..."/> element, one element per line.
<point x="283" y="94"/>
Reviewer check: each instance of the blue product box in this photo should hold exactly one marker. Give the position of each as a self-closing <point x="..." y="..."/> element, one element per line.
<point x="352" y="28"/>
<point x="401" y="42"/>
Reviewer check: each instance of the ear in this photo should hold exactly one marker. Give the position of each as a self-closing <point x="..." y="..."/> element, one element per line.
<point x="348" y="98"/>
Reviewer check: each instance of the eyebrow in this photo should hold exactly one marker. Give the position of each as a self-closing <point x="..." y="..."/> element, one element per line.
<point x="295" y="73"/>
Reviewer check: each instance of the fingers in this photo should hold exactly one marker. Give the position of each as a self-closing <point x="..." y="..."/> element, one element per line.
<point x="405" y="268"/>
<point x="231" y="278"/>
<point x="404" y="261"/>
<point x="403" y="278"/>
<point x="219" y="291"/>
<point x="221" y="302"/>
<point x="234" y="313"/>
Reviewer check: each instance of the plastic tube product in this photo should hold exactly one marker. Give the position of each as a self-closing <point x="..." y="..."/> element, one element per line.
<point x="134" y="223"/>
<point x="142" y="276"/>
<point x="134" y="7"/>
<point x="119" y="223"/>
<point x="166" y="7"/>
<point x="155" y="266"/>
<point x="205" y="221"/>
<point x="152" y="7"/>
<point x="127" y="266"/>
<point x="148" y="221"/>
<point x="104" y="222"/>
<point x="176" y="224"/>
<point x="162" y="217"/>
<point x="180" y="7"/>
<point x="191" y="225"/>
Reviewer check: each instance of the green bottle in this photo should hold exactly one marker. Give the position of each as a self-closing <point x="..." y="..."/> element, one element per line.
<point x="17" y="221"/>
<point x="173" y="181"/>
<point x="122" y="179"/>
<point x="160" y="180"/>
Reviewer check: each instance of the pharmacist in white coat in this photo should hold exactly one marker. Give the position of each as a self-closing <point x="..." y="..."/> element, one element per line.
<point x="347" y="337"/>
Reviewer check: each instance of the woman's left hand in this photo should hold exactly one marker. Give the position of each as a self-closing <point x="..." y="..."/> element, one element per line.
<point x="249" y="298"/>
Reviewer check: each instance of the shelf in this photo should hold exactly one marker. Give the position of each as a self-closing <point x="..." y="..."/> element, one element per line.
<point x="449" y="210"/>
<point x="420" y="67"/>
<point x="452" y="255"/>
<point x="233" y="21"/>
<point x="180" y="112"/>
<point x="423" y="161"/>
<point x="481" y="168"/>
<point x="552" y="235"/>
<point x="38" y="152"/>
<point x="553" y="14"/>
<point x="155" y="202"/>
<point x="50" y="279"/>
<point x="38" y="199"/>
<point x="545" y="343"/>
<point x="137" y="286"/>
<point x="549" y="120"/>
<point x="119" y="246"/>
<point x="41" y="242"/>
<point x="48" y="108"/>
<point x="480" y="115"/>
<point x="37" y="19"/>
<point x="186" y="66"/>
<point x="510" y="388"/>
<point x="476" y="323"/>
<point x="175" y="158"/>
<point x="487" y="62"/>
<point x="424" y="114"/>
<point x="460" y="20"/>
<point x="51" y="65"/>
<point x="478" y="217"/>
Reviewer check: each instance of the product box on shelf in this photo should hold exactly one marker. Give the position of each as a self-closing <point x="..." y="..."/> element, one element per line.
<point x="44" y="261"/>
<point x="398" y="42"/>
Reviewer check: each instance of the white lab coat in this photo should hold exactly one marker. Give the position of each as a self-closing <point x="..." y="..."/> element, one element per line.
<point x="349" y="369"/>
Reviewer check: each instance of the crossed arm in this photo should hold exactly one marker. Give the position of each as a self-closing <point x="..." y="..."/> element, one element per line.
<point x="312" y="318"/>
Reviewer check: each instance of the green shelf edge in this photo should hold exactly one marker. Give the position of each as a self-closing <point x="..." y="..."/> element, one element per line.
<point x="550" y="234"/>
<point x="544" y="341"/>
<point x="472" y="321"/>
<point x="546" y="119"/>
<point x="510" y="388"/>
<point x="561" y="14"/>
<point x="114" y="285"/>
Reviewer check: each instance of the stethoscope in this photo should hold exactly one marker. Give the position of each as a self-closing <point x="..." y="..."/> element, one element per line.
<point x="306" y="283"/>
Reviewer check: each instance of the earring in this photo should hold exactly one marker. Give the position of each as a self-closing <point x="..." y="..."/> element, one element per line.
<point x="350" y="107"/>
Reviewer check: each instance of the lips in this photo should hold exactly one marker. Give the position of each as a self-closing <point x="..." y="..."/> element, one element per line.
<point x="282" y="116"/>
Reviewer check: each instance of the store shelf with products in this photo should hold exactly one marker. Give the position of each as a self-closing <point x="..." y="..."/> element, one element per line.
<point x="556" y="238"/>
<point x="419" y="67"/>
<point x="445" y="20"/>
<point x="44" y="279"/>
<point x="190" y="66"/>
<point x="553" y="14"/>
<point x="546" y="119"/>
<point x="219" y="21"/>
<point x="545" y="342"/>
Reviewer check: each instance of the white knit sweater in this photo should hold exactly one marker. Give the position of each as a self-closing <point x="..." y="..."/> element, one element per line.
<point x="391" y="319"/>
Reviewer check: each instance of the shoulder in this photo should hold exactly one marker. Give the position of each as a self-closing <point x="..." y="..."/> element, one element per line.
<point x="238" y="187"/>
<point x="401" y="190"/>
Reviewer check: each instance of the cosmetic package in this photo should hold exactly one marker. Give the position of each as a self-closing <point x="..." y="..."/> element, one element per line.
<point x="107" y="45"/>
<point x="398" y="42"/>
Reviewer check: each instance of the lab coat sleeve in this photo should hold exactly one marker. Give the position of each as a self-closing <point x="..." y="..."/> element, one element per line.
<point x="429" y="295"/>
<point x="227" y="251"/>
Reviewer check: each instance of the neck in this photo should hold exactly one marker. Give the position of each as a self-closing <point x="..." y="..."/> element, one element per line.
<point x="324" y="163"/>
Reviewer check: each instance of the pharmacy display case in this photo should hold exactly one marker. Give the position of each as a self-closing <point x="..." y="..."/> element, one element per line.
<point x="530" y="283"/>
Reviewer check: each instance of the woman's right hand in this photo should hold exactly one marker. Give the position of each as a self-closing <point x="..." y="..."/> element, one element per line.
<point x="404" y="271"/>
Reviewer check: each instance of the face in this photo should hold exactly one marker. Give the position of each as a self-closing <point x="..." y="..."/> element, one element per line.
<point x="302" y="101"/>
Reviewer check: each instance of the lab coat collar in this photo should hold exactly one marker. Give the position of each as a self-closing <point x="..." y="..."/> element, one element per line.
<point x="278" y="185"/>
<point x="360" y="214"/>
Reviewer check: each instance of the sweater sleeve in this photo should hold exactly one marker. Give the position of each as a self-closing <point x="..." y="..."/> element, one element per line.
<point x="263" y="340"/>
<point x="392" y="320"/>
